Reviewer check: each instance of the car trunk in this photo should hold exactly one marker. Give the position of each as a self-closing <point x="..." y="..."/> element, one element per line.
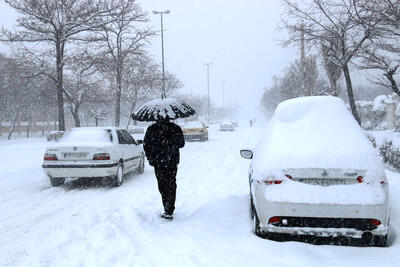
<point x="76" y="152"/>
<point x="326" y="177"/>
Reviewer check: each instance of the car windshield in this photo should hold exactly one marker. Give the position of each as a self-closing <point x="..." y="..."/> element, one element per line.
<point x="192" y="124"/>
<point x="88" y="135"/>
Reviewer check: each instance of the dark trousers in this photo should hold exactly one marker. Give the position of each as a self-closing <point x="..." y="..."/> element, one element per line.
<point x="166" y="177"/>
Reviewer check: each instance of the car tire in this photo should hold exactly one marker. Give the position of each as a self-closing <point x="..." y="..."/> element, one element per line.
<point x="118" y="179"/>
<point x="380" y="241"/>
<point x="57" y="181"/>
<point x="256" y="224"/>
<point x="251" y="208"/>
<point x="140" y="169"/>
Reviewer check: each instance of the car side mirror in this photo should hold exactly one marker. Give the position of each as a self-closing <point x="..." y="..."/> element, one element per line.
<point x="247" y="154"/>
<point x="139" y="142"/>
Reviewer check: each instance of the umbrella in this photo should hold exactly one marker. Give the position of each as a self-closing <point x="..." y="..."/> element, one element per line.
<point x="167" y="109"/>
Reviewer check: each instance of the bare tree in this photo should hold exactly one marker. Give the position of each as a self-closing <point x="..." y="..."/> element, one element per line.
<point x="384" y="52"/>
<point x="333" y="71"/>
<point x="287" y="85"/>
<point x="140" y="81"/>
<point x="120" y="40"/>
<point x="56" y="23"/>
<point x="343" y="27"/>
<point x="81" y="86"/>
<point x="20" y="93"/>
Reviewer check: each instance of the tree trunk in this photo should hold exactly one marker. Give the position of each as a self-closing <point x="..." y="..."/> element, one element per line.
<point x="350" y="93"/>
<point x="118" y="99"/>
<point x="29" y="126"/>
<point x="334" y="87"/>
<point x="59" y="84"/>
<point x="77" y="121"/>
<point x="393" y="83"/>
<point x="14" y="122"/>
<point x="75" y="114"/>
<point x="130" y="116"/>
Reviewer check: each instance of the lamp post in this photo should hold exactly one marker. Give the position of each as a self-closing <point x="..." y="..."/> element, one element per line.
<point x="163" y="95"/>
<point x="223" y="95"/>
<point x="208" y="89"/>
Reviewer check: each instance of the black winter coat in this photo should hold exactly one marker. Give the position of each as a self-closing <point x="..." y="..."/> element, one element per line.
<point x="162" y="142"/>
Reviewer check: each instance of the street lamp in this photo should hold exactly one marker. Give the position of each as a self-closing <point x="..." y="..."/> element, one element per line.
<point x="163" y="95"/>
<point x="208" y="89"/>
<point x="223" y="95"/>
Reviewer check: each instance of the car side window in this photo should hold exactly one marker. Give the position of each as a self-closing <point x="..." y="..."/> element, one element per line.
<point x="121" y="138"/>
<point x="128" y="138"/>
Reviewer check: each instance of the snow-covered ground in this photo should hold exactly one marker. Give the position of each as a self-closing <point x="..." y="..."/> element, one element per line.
<point x="93" y="225"/>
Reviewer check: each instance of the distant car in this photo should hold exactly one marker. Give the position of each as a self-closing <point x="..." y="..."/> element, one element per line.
<point x="195" y="131"/>
<point x="93" y="152"/>
<point x="316" y="176"/>
<point x="226" y="126"/>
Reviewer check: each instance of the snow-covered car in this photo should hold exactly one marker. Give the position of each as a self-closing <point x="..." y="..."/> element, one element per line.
<point x="93" y="152"/>
<point x="226" y="126"/>
<point x="315" y="174"/>
<point x="195" y="131"/>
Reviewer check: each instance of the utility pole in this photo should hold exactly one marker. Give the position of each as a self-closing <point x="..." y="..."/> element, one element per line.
<point x="303" y="61"/>
<point x="208" y="89"/>
<point x="163" y="94"/>
<point x="223" y="96"/>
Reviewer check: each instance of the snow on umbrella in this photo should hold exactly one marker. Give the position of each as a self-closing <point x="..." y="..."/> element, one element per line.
<point x="167" y="108"/>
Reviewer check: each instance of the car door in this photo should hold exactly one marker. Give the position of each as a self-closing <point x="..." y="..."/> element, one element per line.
<point x="123" y="148"/>
<point x="134" y="150"/>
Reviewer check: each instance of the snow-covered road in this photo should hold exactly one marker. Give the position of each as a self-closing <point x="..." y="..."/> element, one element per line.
<point x="93" y="225"/>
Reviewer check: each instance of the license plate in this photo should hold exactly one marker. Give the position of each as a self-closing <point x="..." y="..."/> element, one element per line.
<point x="323" y="182"/>
<point x="75" y="155"/>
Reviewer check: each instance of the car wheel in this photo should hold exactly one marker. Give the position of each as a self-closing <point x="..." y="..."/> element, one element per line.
<point x="57" y="181"/>
<point x="251" y="208"/>
<point x="380" y="241"/>
<point x="119" y="177"/>
<point x="140" y="169"/>
<point x="256" y="224"/>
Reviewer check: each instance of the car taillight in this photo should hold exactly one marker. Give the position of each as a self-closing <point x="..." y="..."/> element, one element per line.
<point x="49" y="156"/>
<point x="270" y="181"/>
<point x="275" y="219"/>
<point x="375" y="222"/>
<point x="101" y="156"/>
<point x="288" y="176"/>
<point x="360" y="179"/>
<point x="273" y="182"/>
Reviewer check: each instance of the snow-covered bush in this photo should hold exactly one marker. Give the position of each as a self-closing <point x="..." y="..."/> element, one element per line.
<point x="54" y="136"/>
<point x="373" y="113"/>
<point x="387" y="144"/>
<point x="390" y="154"/>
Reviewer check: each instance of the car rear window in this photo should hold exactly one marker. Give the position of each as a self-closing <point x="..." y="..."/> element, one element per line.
<point x="193" y="124"/>
<point x="88" y="135"/>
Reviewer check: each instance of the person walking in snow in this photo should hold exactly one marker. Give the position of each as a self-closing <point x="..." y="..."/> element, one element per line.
<point x="161" y="144"/>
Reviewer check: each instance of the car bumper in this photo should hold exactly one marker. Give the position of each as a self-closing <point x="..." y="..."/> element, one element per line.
<point x="323" y="220"/>
<point x="80" y="170"/>
<point x="197" y="136"/>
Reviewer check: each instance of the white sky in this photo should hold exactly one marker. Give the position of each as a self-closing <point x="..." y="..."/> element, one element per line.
<point x="238" y="36"/>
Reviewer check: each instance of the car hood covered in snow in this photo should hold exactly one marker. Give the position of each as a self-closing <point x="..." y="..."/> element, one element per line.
<point x="315" y="132"/>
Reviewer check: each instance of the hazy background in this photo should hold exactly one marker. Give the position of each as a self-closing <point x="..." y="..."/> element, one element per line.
<point x="238" y="36"/>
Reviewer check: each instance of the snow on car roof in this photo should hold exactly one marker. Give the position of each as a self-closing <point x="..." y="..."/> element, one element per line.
<point x="88" y="134"/>
<point x="193" y="124"/>
<point x="315" y="132"/>
<point x="226" y="122"/>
